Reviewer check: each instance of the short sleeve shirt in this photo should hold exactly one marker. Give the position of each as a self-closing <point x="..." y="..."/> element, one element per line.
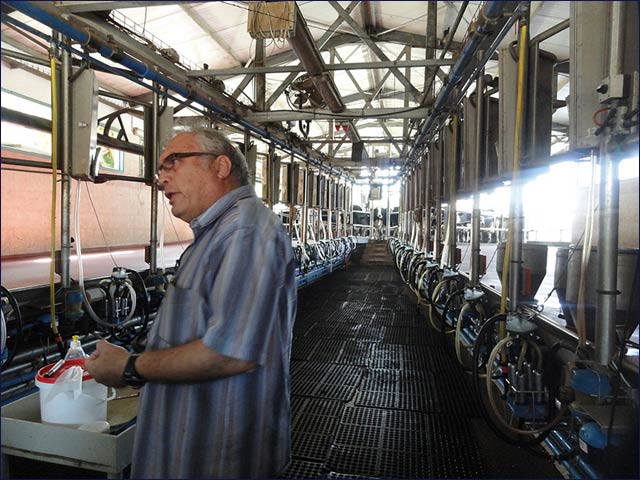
<point x="235" y="290"/>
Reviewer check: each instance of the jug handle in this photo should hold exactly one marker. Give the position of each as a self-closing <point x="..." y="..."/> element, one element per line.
<point x="113" y="393"/>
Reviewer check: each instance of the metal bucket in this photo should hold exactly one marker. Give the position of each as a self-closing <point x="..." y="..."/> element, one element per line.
<point x="534" y="258"/>
<point x="626" y="302"/>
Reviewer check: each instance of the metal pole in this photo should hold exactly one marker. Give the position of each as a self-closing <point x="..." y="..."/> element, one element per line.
<point x="305" y="211"/>
<point x="65" y="204"/>
<point x="153" y="231"/>
<point x="517" y="220"/>
<point x="388" y="219"/>
<point x="437" y="179"/>
<point x="260" y="78"/>
<point x="475" y="216"/>
<point x="453" y="216"/>
<point x="608" y="217"/>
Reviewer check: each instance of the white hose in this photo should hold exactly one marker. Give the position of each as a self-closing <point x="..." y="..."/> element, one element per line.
<point x="3" y="330"/>
<point x="581" y="325"/>
<point x="492" y="400"/>
<point x="458" y="338"/>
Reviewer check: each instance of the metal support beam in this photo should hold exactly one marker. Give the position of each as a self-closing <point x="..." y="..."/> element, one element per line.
<point x="91" y="6"/>
<point x="153" y="230"/>
<point x="372" y="45"/>
<point x="260" y="82"/>
<point x="303" y="45"/>
<point x="284" y="116"/>
<point x="243" y="84"/>
<point x="65" y="150"/>
<point x="368" y="105"/>
<point x="281" y="88"/>
<point x="474" y="279"/>
<point x="372" y="65"/>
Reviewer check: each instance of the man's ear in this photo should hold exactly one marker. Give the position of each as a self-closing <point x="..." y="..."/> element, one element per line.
<point x="223" y="166"/>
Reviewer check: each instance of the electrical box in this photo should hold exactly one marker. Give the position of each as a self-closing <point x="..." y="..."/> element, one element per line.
<point x="285" y="182"/>
<point x="448" y="161"/>
<point x="425" y="168"/>
<point x="251" y="155"/>
<point x="488" y="161"/>
<point x="348" y="199"/>
<point x="321" y="188"/>
<point x="84" y="126"/>
<point x="312" y="189"/>
<point x="299" y="177"/>
<point x="589" y="45"/>
<point x="376" y="192"/>
<point x="436" y="169"/>
<point x="275" y="179"/>
<point x="331" y="194"/>
<point x="538" y="111"/>
<point x="271" y="19"/>
<point x="590" y="25"/>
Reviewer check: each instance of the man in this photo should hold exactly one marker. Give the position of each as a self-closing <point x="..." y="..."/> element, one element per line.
<point x="216" y="366"/>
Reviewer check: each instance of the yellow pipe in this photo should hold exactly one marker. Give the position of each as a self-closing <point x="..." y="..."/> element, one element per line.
<point x="54" y="193"/>
<point x="522" y="44"/>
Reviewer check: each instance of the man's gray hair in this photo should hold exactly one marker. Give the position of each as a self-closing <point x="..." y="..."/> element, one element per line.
<point x="216" y="142"/>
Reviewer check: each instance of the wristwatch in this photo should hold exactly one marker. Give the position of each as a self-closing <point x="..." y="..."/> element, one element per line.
<point x="130" y="376"/>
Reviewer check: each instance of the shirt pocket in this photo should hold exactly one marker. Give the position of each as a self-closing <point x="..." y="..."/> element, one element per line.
<point x="179" y="318"/>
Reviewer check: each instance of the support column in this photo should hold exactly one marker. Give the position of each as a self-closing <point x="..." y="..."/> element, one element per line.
<point x="65" y="143"/>
<point x="477" y="161"/>
<point x="260" y="78"/>
<point x="609" y="201"/>
<point x="153" y="231"/>
<point x="516" y="214"/>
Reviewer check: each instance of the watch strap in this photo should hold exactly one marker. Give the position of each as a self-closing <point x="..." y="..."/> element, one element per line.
<point x="131" y="376"/>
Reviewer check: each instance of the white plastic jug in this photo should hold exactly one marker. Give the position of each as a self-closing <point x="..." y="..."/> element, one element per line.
<point x="71" y="396"/>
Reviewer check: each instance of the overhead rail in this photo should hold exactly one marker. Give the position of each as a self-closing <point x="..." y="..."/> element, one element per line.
<point x="489" y="15"/>
<point x="102" y="46"/>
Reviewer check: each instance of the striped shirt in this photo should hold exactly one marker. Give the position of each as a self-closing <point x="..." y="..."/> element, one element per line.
<point x="234" y="289"/>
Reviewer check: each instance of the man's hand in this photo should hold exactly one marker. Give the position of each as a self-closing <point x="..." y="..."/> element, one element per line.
<point x="107" y="363"/>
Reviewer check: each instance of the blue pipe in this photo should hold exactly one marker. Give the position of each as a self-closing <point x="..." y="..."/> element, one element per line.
<point x="565" y="463"/>
<point x="23" y="378"/>
<point x="32" y="10"/>
<point x="588" y="469"/>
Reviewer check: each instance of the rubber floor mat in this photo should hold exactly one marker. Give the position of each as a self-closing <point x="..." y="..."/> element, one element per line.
<point x="304" y="469"/>
<point x="374" y="393"/>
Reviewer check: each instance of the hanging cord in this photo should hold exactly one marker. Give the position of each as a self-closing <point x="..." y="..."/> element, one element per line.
<point x="54" y="196"/>
<point x="78" y="246"/>
<point x="104" y="237"/>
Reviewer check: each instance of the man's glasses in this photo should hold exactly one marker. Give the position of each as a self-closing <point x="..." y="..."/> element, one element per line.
<point x="169" y="162"/>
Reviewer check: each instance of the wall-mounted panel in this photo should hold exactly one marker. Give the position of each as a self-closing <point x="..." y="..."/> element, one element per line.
<point x="299" y="178"/>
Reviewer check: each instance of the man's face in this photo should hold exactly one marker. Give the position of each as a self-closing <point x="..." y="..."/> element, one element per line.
<point x="191" y="184"/>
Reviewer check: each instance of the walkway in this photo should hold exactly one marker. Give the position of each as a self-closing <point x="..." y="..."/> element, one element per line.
<point x="375" y="394"/>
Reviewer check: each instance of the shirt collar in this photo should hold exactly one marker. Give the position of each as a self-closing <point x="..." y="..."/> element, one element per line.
<point x="223" y="204"/>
